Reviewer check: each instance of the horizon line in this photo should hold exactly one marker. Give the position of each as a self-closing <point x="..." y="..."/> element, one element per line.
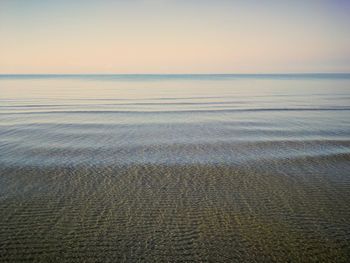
<point x="171" y="74"/>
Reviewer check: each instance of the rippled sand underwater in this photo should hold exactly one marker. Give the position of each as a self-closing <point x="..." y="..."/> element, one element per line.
<point x="175" y="168"/>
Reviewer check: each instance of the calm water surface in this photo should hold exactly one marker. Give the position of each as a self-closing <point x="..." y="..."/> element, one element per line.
<point x="148" y="168"/>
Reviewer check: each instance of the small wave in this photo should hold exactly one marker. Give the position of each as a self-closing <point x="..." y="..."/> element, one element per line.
<point x="178" y="111"/>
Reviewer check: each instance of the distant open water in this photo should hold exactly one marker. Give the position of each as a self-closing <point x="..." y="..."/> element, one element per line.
<point x="179" y="119"/>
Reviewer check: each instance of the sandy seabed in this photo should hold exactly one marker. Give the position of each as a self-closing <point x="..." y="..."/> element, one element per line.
<point x="160" y="213"/>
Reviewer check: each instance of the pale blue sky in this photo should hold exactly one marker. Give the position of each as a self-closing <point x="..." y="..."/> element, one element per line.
<point x="154" y="36"/>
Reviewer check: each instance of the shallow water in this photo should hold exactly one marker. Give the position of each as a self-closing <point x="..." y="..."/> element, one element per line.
<point x="175" y="168"/>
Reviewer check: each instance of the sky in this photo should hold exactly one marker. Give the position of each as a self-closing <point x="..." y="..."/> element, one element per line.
<point x="174" y="36"/>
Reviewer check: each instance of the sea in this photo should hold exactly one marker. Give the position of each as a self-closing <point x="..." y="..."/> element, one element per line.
<point x="175" y="168"/>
